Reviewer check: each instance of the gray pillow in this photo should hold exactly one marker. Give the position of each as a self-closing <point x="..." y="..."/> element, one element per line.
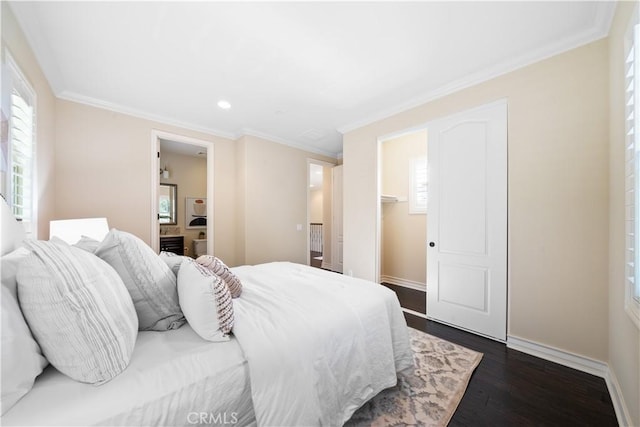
<point x="88" y="244"/>
<point x="78" y="310"/>
<point x="173" y="261"/>
<point x="148" y="279"/>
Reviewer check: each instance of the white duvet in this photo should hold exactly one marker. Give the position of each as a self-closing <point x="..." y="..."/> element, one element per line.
<point x="318" y="344"/>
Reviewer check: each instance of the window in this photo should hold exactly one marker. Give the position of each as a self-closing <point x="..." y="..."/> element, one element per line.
<point x="632" y="171"/>
<point x="18" y="144"/>
<point x="418" y="190"/>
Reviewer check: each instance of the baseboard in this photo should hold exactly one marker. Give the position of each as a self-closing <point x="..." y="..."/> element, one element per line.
<point x="617" y="398"/>
<point x="581" y="363"/>
<point x="404" y="282"/>
<point x="565" y="358"/>
<point x="415" y="313"/>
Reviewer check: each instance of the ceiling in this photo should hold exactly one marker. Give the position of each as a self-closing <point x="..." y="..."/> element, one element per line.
<point x="299" y="73"/>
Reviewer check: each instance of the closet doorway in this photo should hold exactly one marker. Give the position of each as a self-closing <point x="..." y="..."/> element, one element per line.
<point x="403" y="222"/>
<point x="186" y="164"/>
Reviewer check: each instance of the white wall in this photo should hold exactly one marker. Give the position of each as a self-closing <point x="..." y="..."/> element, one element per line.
<point x="315" y="205"/>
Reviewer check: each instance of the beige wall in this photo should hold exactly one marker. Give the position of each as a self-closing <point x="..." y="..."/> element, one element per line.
<point x="624" y="336"/>
<point x="14" y="42"/>
<point x="403" y="250"/>
<point x="558" y="195"/>
<point x="104" y="166"/>
<point x="275" y="201"/>
<point x="190" y="174"/>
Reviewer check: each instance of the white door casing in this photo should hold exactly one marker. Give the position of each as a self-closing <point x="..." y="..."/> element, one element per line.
<point x="467" y="220"/>
<point x="337" y="232"/>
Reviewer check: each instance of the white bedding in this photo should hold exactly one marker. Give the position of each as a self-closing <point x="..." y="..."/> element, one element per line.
<point x="310" y="347"/>
<point x="175" y="378"/>
<point x="319" y="344"/>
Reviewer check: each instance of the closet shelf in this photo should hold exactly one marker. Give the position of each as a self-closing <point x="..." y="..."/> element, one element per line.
<point x="386" y="198"/>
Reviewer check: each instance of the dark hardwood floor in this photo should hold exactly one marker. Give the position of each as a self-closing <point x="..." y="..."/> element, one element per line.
<point x="315" y="262"/>
<point x="410" y="298"/>
<point x="511" y="388"/>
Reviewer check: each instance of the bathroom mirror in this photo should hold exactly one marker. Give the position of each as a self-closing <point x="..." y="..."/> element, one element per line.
<point x="167" y="204"/>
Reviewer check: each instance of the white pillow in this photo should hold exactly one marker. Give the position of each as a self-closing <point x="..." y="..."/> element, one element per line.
<point x="148" y="279"/>
<point x="9" y="268"/>
<point x="78" y="310"/>
<point x="206" y="301"/>
<point x="22" y="360"/>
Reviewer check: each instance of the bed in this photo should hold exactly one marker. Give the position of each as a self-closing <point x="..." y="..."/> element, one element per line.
<point x="308" y="347"/>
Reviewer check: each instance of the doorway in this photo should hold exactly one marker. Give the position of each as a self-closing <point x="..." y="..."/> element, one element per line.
<point x="403" y="224"/>
<point x="319" y="205"/>
<point x="466" y="220"/>
<point x="185" y="164"/>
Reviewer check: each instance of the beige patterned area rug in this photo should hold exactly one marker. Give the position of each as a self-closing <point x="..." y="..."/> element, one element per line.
<point x="428" y="395"/>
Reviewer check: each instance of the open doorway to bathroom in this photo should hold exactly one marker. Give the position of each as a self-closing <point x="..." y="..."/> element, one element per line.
<point x="182" y="194"/>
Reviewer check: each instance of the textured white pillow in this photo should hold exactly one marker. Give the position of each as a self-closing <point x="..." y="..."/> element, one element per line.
<point x="79" y="311"/>
<point x="173" y="261"/>
<point x="9" y="268"/>
<point x="219" y="268"/>
<point x="148" y="279"/>
<point x="22" y="360"/>
<point x="89" y="244"/>
<point x="206" y="301"/>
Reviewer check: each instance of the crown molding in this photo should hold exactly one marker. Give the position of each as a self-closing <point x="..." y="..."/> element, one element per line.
<point x="30" y="29"/>
<point x="288" y="142"/>
<point x="117" y="108"/>
<point x="600" y="29"/>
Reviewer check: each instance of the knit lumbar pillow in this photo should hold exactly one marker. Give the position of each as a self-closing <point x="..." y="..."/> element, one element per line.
<point x="205" y="301"/>
<point x="221" y="270"/>
<point x="78" y="310"/>
<point x="148" y="279"/>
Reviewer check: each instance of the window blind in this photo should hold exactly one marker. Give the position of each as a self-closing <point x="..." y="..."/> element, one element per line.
<point x="19" y="171"/>
<point x="632" y="164"/>
<point x="418" y="193"/>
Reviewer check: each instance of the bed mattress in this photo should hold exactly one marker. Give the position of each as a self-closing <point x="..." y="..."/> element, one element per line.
<point x="174" y="378"/>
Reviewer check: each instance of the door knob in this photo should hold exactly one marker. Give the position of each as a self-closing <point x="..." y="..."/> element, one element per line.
<point x="431" y="244"/>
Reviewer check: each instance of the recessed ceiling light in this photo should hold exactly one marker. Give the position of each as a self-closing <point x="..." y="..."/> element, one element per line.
<point x="224" y="104"/>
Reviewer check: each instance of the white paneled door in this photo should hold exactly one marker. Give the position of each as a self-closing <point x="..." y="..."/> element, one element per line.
<point x="467" y="220"/>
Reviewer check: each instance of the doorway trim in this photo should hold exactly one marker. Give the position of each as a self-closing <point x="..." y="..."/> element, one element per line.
<point x="322" y="163"/>
<point x="156" y="136"/>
